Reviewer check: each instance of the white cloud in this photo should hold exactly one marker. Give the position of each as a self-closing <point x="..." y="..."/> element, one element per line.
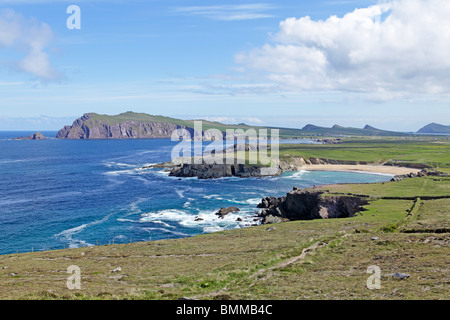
<point x="31" y="37"/>
<point x="234" y="120"/>
<point x="229" y="12"/>
<point x="400" y="46"/>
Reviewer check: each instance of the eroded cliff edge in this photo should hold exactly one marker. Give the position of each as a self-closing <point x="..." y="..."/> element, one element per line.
<point x="308" y="205"/>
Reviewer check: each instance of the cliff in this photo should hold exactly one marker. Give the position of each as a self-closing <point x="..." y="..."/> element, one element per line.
<point x="93" y="126"/>
<point x="307" y="205"/>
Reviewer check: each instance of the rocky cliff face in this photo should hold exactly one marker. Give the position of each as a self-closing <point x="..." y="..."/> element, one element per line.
<point x="87" y="127"/>
<point x="214" y="171"/>
<point x="306" y="205"/>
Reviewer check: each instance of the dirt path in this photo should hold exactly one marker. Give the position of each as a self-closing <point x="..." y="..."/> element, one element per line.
<point x="257" y="275"/>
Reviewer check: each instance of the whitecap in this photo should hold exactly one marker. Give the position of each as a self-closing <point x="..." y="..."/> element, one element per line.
<point x="164" y="224"/>
<point x="69" y="233"/>
<point x="125" y="220"/>
<point x="212" y="229"/>
<point x="187" y="204"/>
<point x="133" y="171"/>
<point x="14" y="161"/>
<point x="180" y="193"/>
<point x="166" y="231"/>
<point x="253" y="201"/>
<point x="296" y="175"/>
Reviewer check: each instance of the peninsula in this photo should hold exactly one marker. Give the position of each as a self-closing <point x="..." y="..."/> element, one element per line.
<point x="132" y="125"/>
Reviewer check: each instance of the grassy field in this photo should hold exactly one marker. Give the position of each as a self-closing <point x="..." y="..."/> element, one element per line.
<point x="401" y="231"/>
<point x="409" y="188"/>
<point x="431" y="151"/>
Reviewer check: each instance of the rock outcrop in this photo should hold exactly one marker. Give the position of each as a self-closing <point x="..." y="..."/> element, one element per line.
<point x="214" y="171"/>
<point x="290" y="163"/>
<point x="36" y="136"/>
<point x="308" y="205"/>
<point x="224" y="211"/>
<point x="423" y="173"/>
<point x="329" y="140"/>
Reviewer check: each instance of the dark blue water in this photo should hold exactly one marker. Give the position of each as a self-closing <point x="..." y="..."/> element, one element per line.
<point x="69" y="193"/>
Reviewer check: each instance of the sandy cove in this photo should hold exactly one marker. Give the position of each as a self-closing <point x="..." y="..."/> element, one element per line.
<point x="391" y="170"/>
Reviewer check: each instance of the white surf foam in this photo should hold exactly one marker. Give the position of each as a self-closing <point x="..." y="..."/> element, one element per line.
<point x="149" y="230"/>
<point x="68" y="234"/>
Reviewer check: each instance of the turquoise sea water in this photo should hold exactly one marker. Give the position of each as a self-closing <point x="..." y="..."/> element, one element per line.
<point x="68" y="193"/>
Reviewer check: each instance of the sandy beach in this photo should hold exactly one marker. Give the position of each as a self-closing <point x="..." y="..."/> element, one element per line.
<point x="393" y="170"/>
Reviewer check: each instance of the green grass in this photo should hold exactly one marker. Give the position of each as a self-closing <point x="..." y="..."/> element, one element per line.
<point x="430" y="151"/>
<point x="407" y="188"/>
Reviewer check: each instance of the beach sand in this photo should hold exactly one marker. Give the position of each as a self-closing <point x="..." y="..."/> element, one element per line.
<point x="393" y="170"/>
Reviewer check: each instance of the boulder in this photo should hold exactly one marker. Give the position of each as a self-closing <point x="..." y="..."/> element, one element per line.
<point x="224" y="211"/>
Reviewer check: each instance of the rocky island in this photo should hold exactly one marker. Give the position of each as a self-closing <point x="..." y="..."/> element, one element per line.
<point x="127" y="126"/>
<point x="36" y="136"/>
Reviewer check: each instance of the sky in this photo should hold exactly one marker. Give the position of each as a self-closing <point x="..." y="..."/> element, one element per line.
<point x="273" y="63"/>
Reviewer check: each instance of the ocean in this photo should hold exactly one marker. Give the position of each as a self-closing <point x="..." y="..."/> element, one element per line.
<point x="58" y="194"/>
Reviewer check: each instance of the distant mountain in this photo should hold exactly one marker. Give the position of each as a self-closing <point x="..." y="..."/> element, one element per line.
<point x="338" y="130"/>
<point x="131" y="125"/>
<point x="435" y="128"/>
<point x="367" y="127"/>
<point x="311" y="127"/>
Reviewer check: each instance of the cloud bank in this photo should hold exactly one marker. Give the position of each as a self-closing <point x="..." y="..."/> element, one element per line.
<point x="392" y="48"/>
<point x="30" y="38"/>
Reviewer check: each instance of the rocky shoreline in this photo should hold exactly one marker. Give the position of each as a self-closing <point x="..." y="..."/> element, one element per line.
<point x="422" y="173"/>
<point x="298" y="204"/>
<point x="215" y="171"/>
<point x="188" y="168"/>
<point x="302" y="204"/>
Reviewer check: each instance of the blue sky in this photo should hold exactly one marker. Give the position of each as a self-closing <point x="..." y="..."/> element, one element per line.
<point x="283" y="63"/>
